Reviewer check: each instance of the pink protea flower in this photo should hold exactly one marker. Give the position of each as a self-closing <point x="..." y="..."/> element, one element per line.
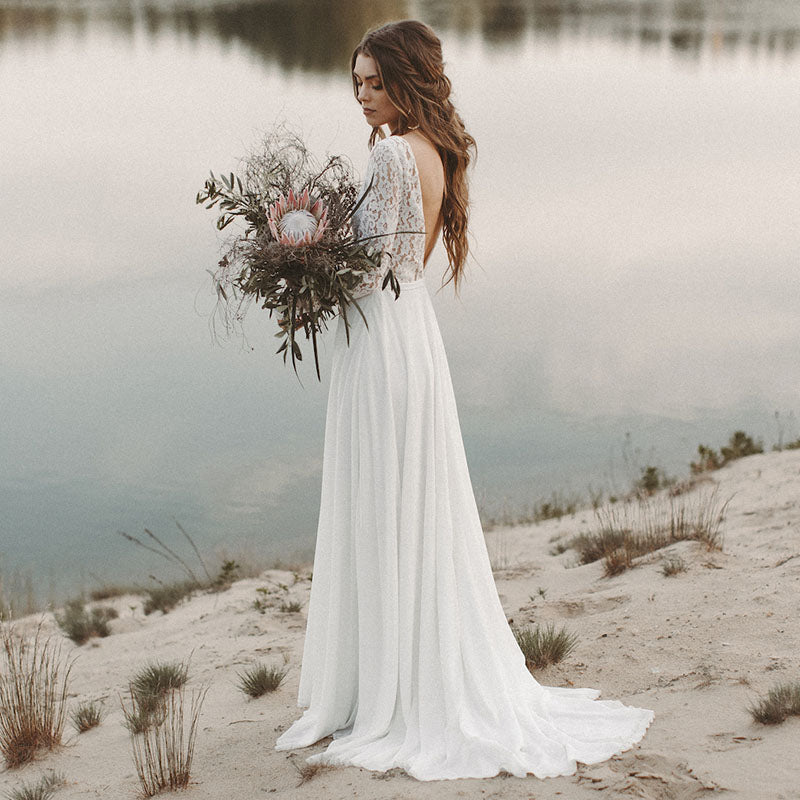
<point x="294" y="221"/>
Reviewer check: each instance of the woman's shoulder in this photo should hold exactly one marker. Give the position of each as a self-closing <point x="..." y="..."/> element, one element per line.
<point x="388" y="147"/>
<point x="388" y="154"/>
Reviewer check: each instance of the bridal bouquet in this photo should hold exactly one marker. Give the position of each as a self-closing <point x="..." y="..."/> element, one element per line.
<point x="297" y="253"/>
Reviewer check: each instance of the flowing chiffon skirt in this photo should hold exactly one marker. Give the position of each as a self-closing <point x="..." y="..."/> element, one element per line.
<point x="408" y="659"/>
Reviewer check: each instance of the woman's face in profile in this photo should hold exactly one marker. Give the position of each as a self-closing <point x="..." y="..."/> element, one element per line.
<point x="375" y="103"/>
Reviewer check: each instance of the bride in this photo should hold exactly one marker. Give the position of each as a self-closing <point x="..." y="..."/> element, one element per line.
<point x="408" y="658"/>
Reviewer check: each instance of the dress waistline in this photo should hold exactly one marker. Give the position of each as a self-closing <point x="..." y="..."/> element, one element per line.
<point x="417" y="284"/>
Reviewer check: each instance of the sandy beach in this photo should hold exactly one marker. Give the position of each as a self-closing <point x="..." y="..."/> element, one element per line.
<point x="698" y="648"/>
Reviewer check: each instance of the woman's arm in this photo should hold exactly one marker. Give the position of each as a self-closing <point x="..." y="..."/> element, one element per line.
<point x="378" y="216"/>
<point x="379" y="212"/>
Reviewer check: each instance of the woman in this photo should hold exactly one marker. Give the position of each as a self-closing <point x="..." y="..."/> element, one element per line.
<point x="408" y="658"/>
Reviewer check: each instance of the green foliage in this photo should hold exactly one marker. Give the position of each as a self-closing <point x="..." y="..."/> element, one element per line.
<point x="228" y="573"/>
<point x="651" y="480"/>
<point x="260" y="679"/>
<point x="86" y="716"/>
<point x="707" y="461"/>
<point x="739" y="446"/>
<point x="781" y="702"/>
<point x="543" y="646"/>
<point x="80" y="625"/>
<point x="43" y="789"/>
<point x="795" y="445"/>
<point x="290" y="606"/>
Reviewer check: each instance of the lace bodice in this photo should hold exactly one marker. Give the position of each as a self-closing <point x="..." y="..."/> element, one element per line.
<point x="392" y="211"/>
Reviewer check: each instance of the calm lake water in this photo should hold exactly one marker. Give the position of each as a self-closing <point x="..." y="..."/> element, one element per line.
<point x="633" y="290"/>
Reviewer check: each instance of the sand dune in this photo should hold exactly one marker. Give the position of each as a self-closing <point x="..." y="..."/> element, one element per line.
<point x="697" y="648"/>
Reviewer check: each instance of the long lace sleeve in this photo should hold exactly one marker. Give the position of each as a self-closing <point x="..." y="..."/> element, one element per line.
<point x="379" y="213"/>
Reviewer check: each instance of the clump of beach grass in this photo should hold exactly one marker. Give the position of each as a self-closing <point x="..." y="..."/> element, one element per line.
<point x="290" y="606"/>
<point x="86" y="716"/>
<point x="163" y="750"/>
<point x="164" y="597"/>
<point x="150" y="687"/>
<point x="43" y="789"/>
<point x="81" y="625"/>
<point x="34" y="679"/>
<point x="781" y="702"/>
<point x="645" y="525"/>
<point x="544" y="645"/>
<point x="259" y="679"/>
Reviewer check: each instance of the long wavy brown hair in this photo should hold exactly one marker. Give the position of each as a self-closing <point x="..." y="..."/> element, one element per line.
<point x="408" y="55"/>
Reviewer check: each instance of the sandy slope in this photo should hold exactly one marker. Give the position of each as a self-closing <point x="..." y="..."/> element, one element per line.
<point x="696" y="648"/>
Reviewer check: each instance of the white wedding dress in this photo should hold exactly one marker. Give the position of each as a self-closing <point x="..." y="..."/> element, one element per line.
<point x="409" y="660"/>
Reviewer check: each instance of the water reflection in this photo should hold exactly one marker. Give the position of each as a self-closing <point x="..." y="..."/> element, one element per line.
<point x="317" y="35"/>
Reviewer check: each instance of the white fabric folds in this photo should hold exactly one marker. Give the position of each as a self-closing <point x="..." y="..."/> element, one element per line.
<point x="408" y="659"/>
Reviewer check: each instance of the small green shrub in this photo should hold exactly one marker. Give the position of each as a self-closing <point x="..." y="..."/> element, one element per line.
<point x="86" y="716"/>
<point x="228" y="573"/>
<point x="782" y="701"/>
<point x="290" y="606"/>
<point x="81" y="625"/>
<point x="260" y="679"/>
<point x="542" y="646"/>
<point x="739" y="446"/>
<point x="651" y="480"/>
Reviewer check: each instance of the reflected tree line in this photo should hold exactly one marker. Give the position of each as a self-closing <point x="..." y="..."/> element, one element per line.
<point x="318" y="35"/>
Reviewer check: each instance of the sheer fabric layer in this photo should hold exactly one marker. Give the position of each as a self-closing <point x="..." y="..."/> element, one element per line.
<point x="408" y="658"/>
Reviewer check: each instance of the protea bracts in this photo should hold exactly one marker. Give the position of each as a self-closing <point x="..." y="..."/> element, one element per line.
<point x="293" y="220"/>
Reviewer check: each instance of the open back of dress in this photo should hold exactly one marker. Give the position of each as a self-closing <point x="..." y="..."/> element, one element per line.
<point x="408" y="659"/>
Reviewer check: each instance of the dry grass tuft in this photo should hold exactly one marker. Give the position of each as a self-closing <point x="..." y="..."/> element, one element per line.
<point x="33" y="691"/>
<point x="163" y="751"/>
<point x="672" y="565"/>
<point x="647" y="524"/>
<point x="543" y="646"/>
<point x="308" y="771"/>
<point x="782" y="701"/>
<point x="164" y="597"/>
<point x="86" y="716"/>
<point x="260" y="679"/>
<point x="43" y="789"/>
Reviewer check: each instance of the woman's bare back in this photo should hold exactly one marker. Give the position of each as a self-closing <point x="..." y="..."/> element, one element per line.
<point x="431" y="179"/>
